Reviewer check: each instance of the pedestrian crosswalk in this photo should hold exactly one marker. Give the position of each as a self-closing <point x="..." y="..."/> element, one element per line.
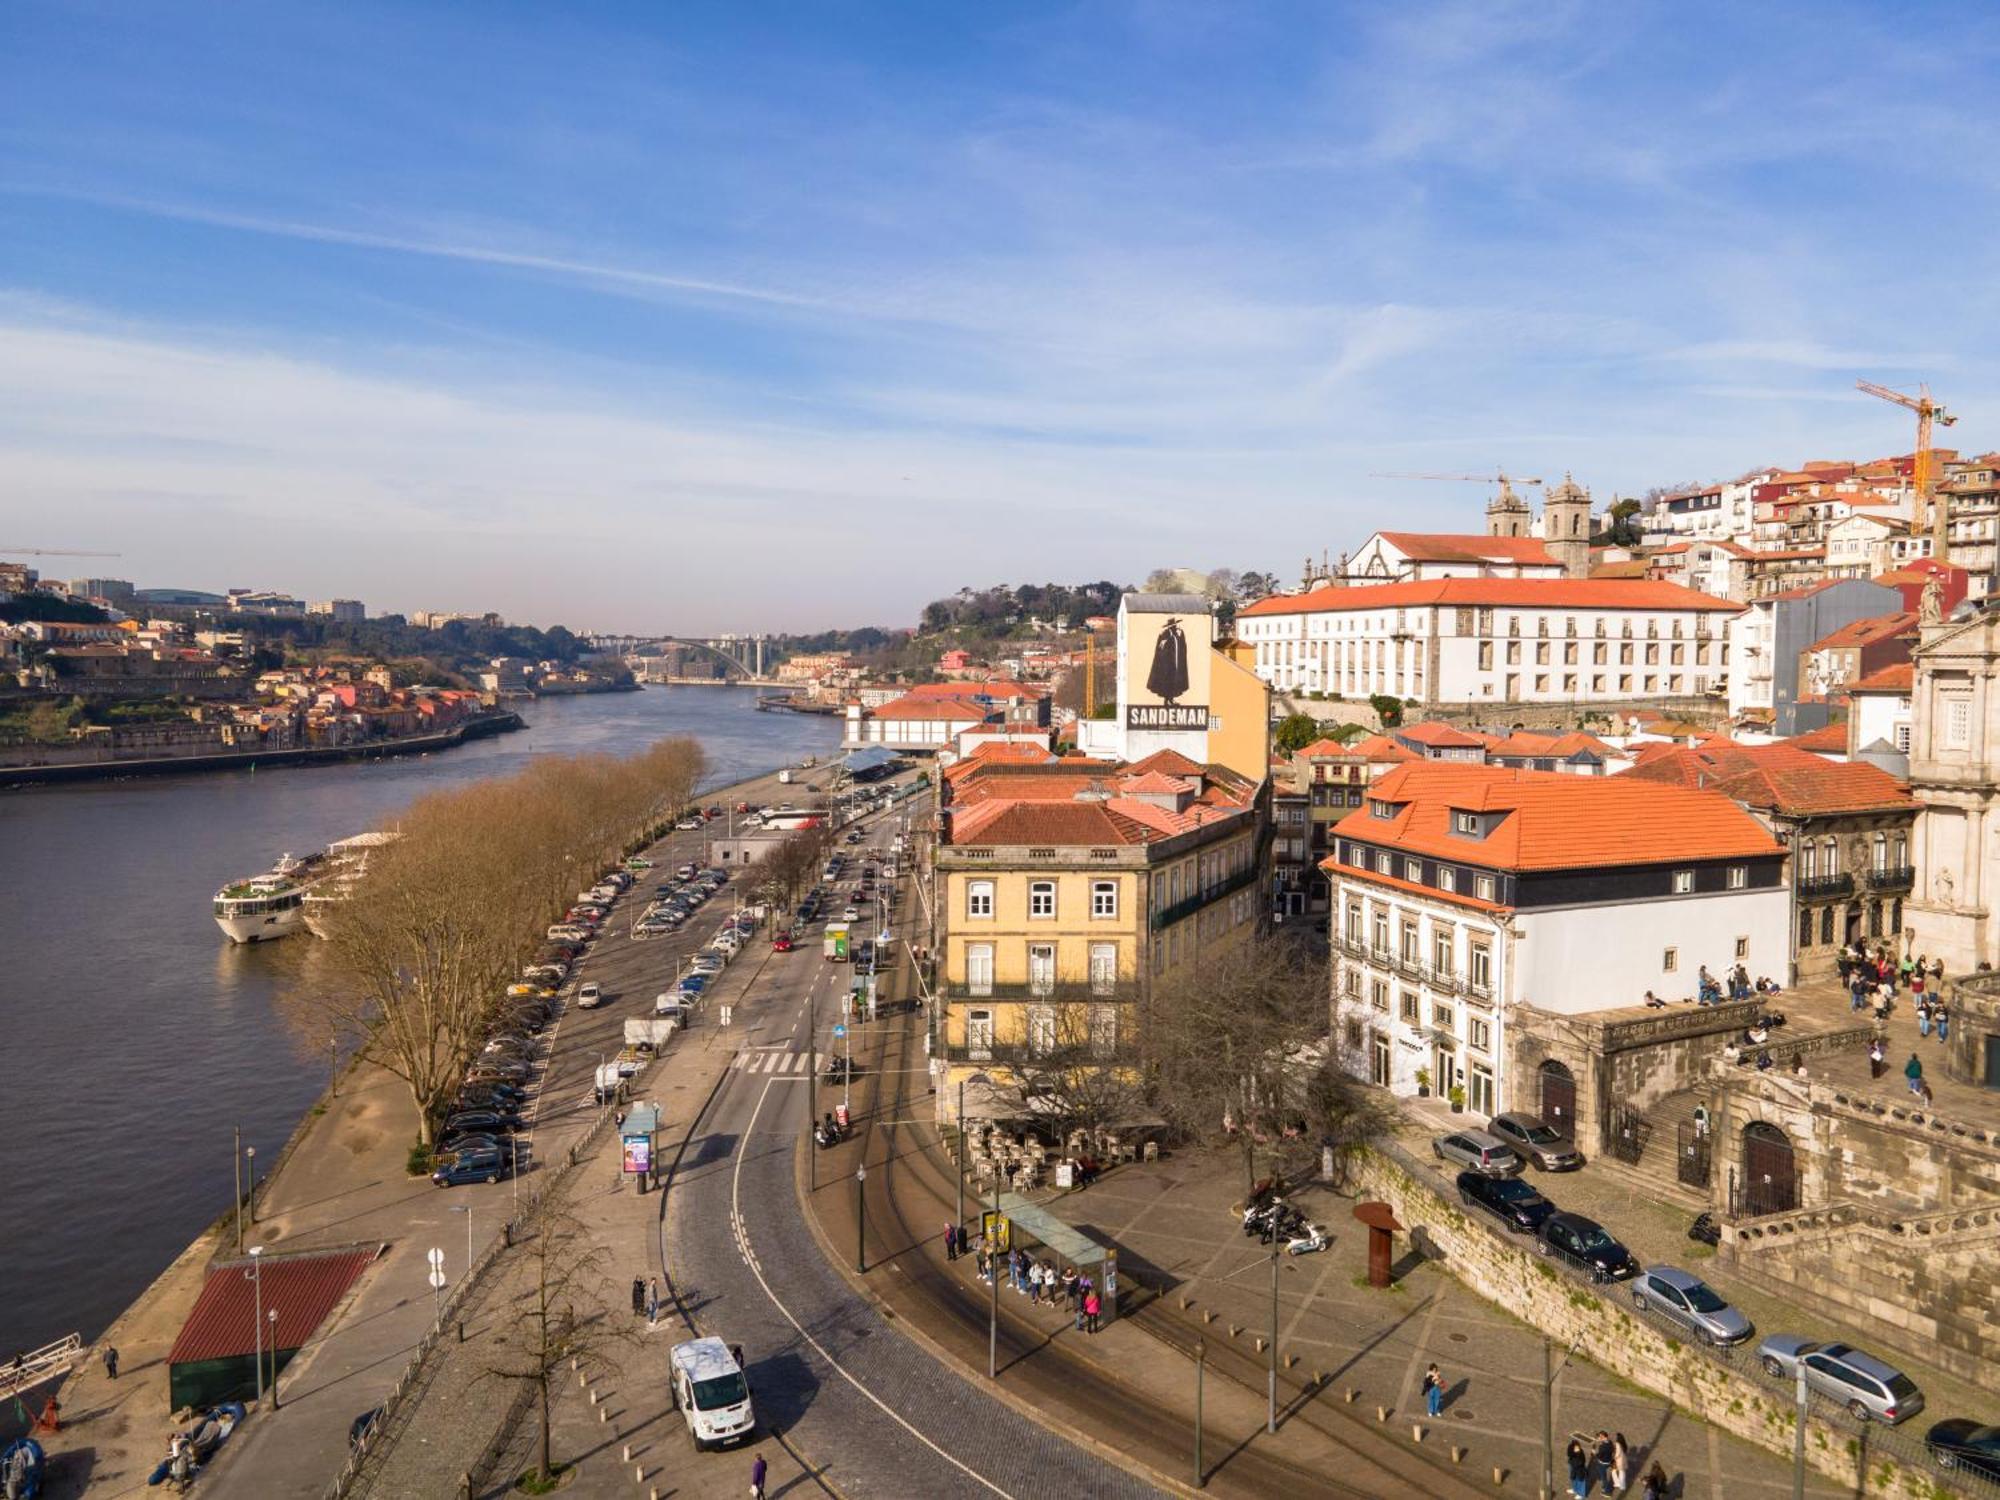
<point x="772" y="1062"/>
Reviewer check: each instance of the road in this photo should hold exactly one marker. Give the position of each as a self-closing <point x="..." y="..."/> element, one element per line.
<point x="864" y="1406"/>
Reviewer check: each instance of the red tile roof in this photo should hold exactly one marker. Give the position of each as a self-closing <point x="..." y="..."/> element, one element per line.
<point x="1440" y="736"/>
<point x="303" y="1288"/>
<point x="1866" y="632"/>
<point x="994" y="689"/>
<point x="1172" y="762"/>
<point x="1778" y="777"/>
<point x="1155" y="781"/>
<point x="1529" y="593"/>
<point x="1552" y="821"/>
<point x="1323" y="747"/>
<point x="954" y="709"/>
<point x="1526" y="742"/>
<point x="1439" y="546"/>
<point x="1831" y="739"/>
<point x="1379" y="747"/>
<point x="1898" y="677"/>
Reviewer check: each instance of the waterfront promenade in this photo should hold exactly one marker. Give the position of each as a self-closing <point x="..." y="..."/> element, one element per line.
<point x="343" y="1182"/>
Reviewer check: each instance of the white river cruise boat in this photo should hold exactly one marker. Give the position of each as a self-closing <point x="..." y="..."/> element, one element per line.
<point x="269" y="906"/>
<point x="346" y="863"/>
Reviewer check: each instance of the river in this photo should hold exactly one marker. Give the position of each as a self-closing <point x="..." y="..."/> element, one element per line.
<point x="136" y="1037"/>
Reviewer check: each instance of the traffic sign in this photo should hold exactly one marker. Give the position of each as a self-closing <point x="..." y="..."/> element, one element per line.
<point x="839" y="1031"/>
<point x="436" y="1258"/>
<point x="437" y="1281"/>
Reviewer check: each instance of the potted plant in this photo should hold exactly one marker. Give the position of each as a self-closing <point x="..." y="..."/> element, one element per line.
<point x="1457" y="1097"/>
<point x="1423" y="1083"/>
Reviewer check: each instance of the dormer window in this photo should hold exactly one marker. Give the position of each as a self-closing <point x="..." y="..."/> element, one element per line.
<point x="1467" y="825"/>
<point x="1380" y="809"/>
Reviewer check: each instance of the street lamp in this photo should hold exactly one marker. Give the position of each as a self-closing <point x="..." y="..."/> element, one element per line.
<point x="860" y="1219"/>
<point x="255" y="1276"/>
<point x="273" y="1316"/>
<point x="251" y="1152"/>
<point x="466" y="1209"/>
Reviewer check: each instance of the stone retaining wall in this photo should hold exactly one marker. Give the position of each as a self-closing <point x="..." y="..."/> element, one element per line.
<point x="1596" y="1318"/>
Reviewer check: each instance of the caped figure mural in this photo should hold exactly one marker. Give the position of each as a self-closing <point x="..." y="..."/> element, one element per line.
<point x="1169" y="677"/>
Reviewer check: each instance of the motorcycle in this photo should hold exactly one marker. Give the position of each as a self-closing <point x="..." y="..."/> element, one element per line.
<point x="1315" y="1238"/>
<point x="1705" y="1229"/>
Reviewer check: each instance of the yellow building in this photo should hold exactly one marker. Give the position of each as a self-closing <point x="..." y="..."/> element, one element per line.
<point x="1067" y="889"/>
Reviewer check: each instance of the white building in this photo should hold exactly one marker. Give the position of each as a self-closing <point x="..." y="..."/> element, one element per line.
<point x="1493" y="640"/>
<point x="1462" y="893"/>
<point x="1401" y="556"/>
<point x="340" y="611"/>
<point x="1878" y="710"/>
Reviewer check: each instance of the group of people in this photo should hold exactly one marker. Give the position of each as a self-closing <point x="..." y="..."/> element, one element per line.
<point x="1039" y="1281"/>
<point x="1735" y="985"/>
<point x="1606" y="1460"/>
<point x="1874" y="977"/>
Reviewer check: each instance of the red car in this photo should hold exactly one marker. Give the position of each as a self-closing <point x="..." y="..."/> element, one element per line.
<point x="782" y="942"/>
<point x="743" y="807"/>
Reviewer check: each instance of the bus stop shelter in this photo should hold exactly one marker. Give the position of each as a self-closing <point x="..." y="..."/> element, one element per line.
<point x="1022" y="1221"/>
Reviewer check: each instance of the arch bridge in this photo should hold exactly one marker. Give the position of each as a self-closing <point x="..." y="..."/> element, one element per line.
<point x="742" y="658"/>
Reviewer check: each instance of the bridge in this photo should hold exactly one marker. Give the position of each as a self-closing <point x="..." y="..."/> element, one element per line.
<point x="663" y="658"/>
<point x="44" y="1364"/>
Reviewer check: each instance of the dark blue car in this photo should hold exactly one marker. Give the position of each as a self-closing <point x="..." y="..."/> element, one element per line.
<point x="470" y="1166"/>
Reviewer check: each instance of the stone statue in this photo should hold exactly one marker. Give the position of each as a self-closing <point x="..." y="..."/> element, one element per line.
<point x="1930" y="604"/>
<point x="1942" y="885"/>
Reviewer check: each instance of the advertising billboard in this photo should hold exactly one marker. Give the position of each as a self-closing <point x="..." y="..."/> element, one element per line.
<point x="1165" y="646"/>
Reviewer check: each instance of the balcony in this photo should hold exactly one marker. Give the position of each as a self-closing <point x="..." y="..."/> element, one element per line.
<point x="1820" y="887"/>
<point x="1444" y="979"/>
<point x="1896" y="879"/>
<point x="1409" y="966"/>
<point x="1188" y="906"/>
<point x="1352" y="947"/>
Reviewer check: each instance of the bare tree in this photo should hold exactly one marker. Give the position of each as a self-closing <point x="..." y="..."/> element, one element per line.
<point x="1078" y="1071"/>
<point x="566" y="1312"/>
<point x="1238" y="1050"/>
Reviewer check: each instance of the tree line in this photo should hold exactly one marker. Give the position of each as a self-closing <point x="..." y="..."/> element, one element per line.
<point x="417" y="961"/>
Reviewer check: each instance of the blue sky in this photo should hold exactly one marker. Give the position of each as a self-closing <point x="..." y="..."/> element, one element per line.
<point x="779" y="316"/>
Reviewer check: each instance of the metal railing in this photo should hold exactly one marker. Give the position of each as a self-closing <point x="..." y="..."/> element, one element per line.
<point x="1166" y="916"/>
<point x="1827" y="885"/>
<point x="1897" y="878"/>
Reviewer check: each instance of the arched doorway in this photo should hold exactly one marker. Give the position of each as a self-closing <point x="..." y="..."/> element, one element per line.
<point x="1852" y="929"/>
<point x="1769" y="1183"/>
<point x="1559" y="1097"/>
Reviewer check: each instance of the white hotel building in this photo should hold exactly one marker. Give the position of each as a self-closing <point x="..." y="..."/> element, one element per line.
<point x="1493" y="640"/>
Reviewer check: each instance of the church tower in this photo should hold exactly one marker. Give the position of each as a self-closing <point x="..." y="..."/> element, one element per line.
<point x="1566" y="527"/>
<point x="1507" y="513"/>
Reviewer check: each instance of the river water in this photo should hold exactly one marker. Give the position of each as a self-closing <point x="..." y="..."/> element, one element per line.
<point x="134" y="1036"/>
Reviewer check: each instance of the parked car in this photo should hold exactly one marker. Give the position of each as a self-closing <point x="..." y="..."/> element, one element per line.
<point x="687" y="823"/>
<point x="1537" y="1141"/>
<point x="1585" y="1242"/>
<point x="852" y="914"/>
<point x="1869" y="1389"/>
<point x="469" y="1166"/>
<point x="781" y="940"/>
<point x="692" y="984"/>
<point x="590" y="994"/>
<point x="478" y="1122"/>
<point x="1477" y="1151"/>
<point x="1686" y="1299"/>
<point x="1961" y="1443"/>
<point x="1509" y="1199"/>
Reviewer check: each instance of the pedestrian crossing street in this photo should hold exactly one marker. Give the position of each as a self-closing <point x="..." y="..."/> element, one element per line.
<point x="772" y="1062"/>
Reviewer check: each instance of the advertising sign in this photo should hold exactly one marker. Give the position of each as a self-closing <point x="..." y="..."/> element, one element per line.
<point x="995" y="1228"/>
<point x="1164" y="665"/>
<point x="638" y="1154"/>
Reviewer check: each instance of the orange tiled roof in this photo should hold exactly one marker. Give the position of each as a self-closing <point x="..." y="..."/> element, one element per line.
<point x="1443" y="736"/>
<point x="1379" y="747"/>
<point x="995" y="689"/>
<point x="1440" y="546"/>
<point x="1323" y="747"/>
<point x="1524" y="742"/>
<point x="1155" y="781"/>
<point x="1555" y="822"/>
<point x="1866" y="632"/>
<point x="1897" y="677"/>
<point x="1830" y="739"/>
<point x="1778" y="777"/>
<point x="1172" y="762"/>
<point x="1529" y="593"/>
<point x="944" y="708"/>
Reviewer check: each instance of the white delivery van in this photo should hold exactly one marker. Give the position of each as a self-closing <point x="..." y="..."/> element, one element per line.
<point x="669" y="1006"/>
<point x="589" y="995"/>
<point x="605" y="1086"/>
<point x="711" y="1391"/>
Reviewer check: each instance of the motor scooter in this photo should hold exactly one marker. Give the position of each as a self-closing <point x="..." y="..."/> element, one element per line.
<point x="1315" y="1238"/>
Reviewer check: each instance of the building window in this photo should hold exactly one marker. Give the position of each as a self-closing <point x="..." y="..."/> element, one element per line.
<point x="1354" y="923"/>
<point x="1041" y="968"/>
<point x="1957" y="723"/>
<point x="1881" y="858"/>
<point x="1442" y="1016"/>
<point x="1683" y="882"/>
<point x="1479" y="966"/>
<point x="1382" y="933"/>
<point x="1103" y="968"/>
<point x="1447" y="878"/>
<point x="1410" y="941"/>
<point x="1383" y="863"/>
<point x="1479" y="1034"/>
<point x="1041" y="1029"/>
<point x="979" y="1034"/>
<point x="1352" y="1036"/>
<point x="1104" y="1029"/>
<point x="979" y="968"/>
<point x="1739" y="877"/>
<point x="1465" y="823"/>
<point x="979" y="898"/>
<point x="1408" y="1001"/>
<point x="1482" y="887"/>
<point x="1669" y="961"/>
<point x="1441" y="952"/>
<point x="1350" y="984"/>
<point x="1874" y="920"/>
<point x="1479" y="1089"/>
<point x="1041" y="898"/>
<point x="1104" y="898"/>
<point x="1377" y="808"/>
<point x="1805" y="929"/>
<point x="1743" y="947"/>
<point x="1378" y="995"/>
<point x="1413" y="871"/>
<point x="1485" y="656"/>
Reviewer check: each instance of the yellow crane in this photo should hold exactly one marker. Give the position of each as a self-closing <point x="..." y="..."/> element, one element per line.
<point x="1937" y="513"/>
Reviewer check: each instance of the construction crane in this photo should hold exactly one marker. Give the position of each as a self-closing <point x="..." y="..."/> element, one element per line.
<point x="1498" y="476"/>
<point x="1937" y="512"/>
<point x="54" y="552"/>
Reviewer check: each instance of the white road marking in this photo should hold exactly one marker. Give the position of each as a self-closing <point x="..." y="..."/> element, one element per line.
<point x="736" y="1213"/>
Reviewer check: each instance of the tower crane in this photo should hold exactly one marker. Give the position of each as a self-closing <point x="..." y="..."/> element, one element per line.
<point x="1499" y="476"/>
<point x="1936" y="512"/>
<point x="54" y="552"/>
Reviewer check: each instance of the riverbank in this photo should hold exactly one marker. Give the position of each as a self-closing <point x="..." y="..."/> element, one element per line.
<point x="506" y="721"/>
<point x="339" y="1180"/>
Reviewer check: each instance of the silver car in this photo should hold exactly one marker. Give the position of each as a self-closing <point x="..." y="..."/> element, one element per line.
<point x="1686" y="1299"/>
<point x="1869" y="1389"/>
<point x="1477" y="1151"/>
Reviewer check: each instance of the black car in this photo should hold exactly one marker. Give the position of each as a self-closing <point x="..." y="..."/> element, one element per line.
<point x="1961" y="1443"/>
<point x="1584" y="1243"/>
<point x="478" y="1122"/>
<point x="1510" y="1200"/>
<point x="493" y="1094"/>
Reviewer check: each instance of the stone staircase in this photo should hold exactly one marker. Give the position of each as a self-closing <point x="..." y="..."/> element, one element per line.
<point x="1656" y="1170"/>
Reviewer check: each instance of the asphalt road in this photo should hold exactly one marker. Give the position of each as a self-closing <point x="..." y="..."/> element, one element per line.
<point x="864" y="1406"/>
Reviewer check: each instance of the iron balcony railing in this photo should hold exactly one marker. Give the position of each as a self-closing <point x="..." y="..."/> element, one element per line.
<point x="1899" y="878"/>
<point x="1166" y="916"/>
<point x="1827" y="885"/>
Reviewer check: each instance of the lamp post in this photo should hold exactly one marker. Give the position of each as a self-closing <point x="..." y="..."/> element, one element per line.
<point x="812" y="1075"/>
<point x="993" y="1285"/>
<point x="273" y="1316"/>
<point x="255" y="1276"/>
<point x="251" y="1152"/>
<point x="236" y="1164"/>
<point x="466" y="1209"/>
<point x="1271" y="1397"/>
<point x="1200" y="1369"/>
<point x="860" y="1218"/>
<point x="961" y="1155"/>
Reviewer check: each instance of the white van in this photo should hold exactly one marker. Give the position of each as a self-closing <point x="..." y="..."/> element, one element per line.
<point x="589" y="995"/>
<point x="668" y="1005"/>
<point x="607" y="1083"/>
<point x="712" y="1392"/>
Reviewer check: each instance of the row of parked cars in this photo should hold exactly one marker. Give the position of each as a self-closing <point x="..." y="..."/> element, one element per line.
<point x="1490" y="1182"/>
<point x="678" y="898"/>
<point x="729" y="940"/>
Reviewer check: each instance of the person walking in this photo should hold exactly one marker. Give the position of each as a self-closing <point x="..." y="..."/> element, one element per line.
<point x="951" y="1242"/>
<point x="1091" y="1308"/>
<point x="1654" y="1486"/>
<point x="1433" y="1392"/>
<point x="653" y="1303"/>
<point x="1943" y="1018"/>
<point x="1621" y="1460"/>
<point x="1923" y="1018"/>
<point x="1700" y="1120"/>
<point x="111" y="1360"/>
<point x="1913" y="1070"/>
<point x="1601" y="1455"/>
<point x="1579" y="1466"/>
<point x="758" y="1469"/>
<point x="638" y="1294"/>
<point x="1877" y="1058"/>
